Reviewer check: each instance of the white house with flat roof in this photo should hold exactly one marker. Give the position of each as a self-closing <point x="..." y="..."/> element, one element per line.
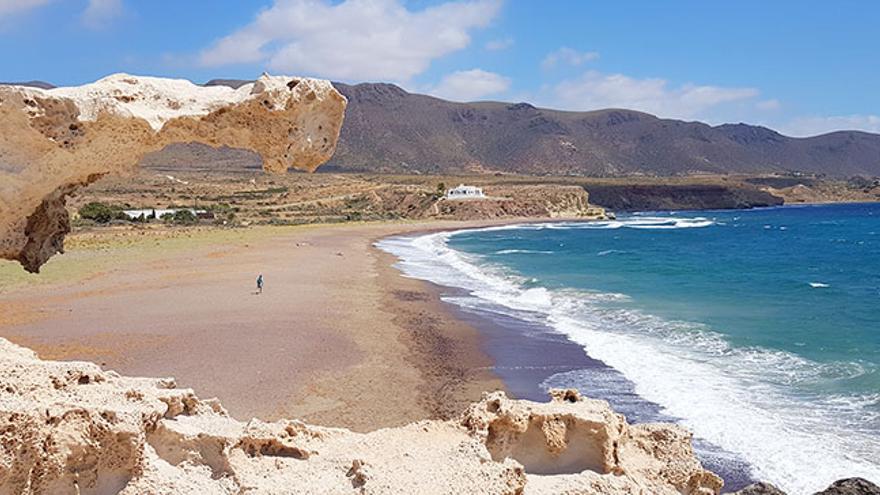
<point x="159" y="212"/>
<point x="465" y="192"/>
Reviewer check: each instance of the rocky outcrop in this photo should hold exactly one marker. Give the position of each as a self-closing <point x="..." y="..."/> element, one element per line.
<point x="53" y="141"/>
<point x="578" y="445"/>
<point x="657" y="196"/>
<point x="512" y="201"/>
<point x="851" y="486"/>
<point x="69" y="427"/>
<point x="761" y="488"/>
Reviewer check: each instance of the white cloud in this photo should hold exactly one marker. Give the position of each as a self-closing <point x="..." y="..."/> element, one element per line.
<point x="352" y="40"/>
<point x="568" y="56"/>
<point x="9" y="7"/>
<point x="470" y="85"/>
<point x="772" y="104"/>
<point x="811" y="126"/>
<point x="100" y="12"/>
<point x="499" y="44"/>
<point x="596" y="90"/>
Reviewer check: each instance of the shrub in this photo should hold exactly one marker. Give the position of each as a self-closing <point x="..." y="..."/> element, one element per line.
<point x="100" y="212"/>
<point x="184" y="217"/>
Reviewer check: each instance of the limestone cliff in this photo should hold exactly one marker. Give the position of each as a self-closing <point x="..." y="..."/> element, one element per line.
<point x="71" y="428"/>
<point x="57" y="140"/>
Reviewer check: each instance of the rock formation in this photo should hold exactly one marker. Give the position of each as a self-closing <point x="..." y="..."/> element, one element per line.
<point x="69" y="427"/>
<point x="848" y="486"/>
<point x="53" y="141"/>
<point x="851" y="486"/>
<point x="760" y="488"/>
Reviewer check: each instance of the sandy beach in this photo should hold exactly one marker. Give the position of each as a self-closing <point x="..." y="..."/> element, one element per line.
<point x="338" y="337"/>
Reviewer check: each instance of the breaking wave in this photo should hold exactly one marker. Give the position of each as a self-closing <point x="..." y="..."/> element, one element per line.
<point x="738" y="398"/>
<point x="522" y="251"/>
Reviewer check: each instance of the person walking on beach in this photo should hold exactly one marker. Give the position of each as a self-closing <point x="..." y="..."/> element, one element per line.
<point x="260" y="284"/>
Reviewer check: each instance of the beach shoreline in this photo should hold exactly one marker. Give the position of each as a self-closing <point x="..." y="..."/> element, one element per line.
<point x="339" y="337"/>
<point x="368" y="348"/>
<point x="528" y="355"/>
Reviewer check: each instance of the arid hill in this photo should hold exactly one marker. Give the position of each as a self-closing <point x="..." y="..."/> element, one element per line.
<point x="390" y="130"/>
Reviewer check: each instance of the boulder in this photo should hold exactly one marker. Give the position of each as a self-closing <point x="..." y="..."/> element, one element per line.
<point x="851" y="486"/>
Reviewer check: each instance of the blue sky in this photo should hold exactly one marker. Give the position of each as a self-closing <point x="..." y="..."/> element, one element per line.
<point x="803" y="67"/>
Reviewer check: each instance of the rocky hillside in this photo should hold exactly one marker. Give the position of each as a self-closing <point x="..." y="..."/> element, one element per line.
<point x="390" y="130"/>
<point x="697" y="196"/>
<point x="256" y="198"/>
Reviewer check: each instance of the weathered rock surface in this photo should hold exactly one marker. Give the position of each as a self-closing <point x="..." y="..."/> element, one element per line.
<point x="69" y="427"/>
<point x="537" y="201"/>
<point x="848" y="486"/>
<point x="53" y="141"/>
<point x="851" y="486"/>
<point x="761" y="488"/>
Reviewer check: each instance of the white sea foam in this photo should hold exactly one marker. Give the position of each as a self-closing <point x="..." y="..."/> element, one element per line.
<point x="740" y="399"/>
<point x="610" y="251"/>
<point x="522" y="251"/>
<point x="818" y="285"/>
<point x="636" y="222"/>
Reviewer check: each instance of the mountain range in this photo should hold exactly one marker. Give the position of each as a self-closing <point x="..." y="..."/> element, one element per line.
<point x="389" y="130"/>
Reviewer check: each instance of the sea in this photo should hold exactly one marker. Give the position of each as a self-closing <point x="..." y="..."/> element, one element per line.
<point x="758" y="330"/>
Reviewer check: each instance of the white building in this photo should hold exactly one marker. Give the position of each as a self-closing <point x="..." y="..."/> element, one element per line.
<point x="158" y="212"/>
<point x="465" y="192"/>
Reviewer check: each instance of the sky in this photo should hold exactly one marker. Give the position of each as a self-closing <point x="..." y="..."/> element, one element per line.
<point x="802" y="67"/>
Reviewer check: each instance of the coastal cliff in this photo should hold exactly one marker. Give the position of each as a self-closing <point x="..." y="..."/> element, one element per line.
<point x="55" y="141"/>
<point x="70" y="427"/>
<point x="656" y="197"/>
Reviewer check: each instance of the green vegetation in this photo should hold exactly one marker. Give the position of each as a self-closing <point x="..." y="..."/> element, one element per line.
<point x="252" y="194"/>
<point x="183" y="217"/>
<point x="101" y="213"/>
<point x="223" y="212"/>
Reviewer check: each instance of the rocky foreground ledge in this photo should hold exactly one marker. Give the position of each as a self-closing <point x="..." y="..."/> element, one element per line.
<point x="69" y="427"/>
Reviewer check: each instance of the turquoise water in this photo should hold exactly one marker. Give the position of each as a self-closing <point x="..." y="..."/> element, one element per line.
<point x="759" y="330"/>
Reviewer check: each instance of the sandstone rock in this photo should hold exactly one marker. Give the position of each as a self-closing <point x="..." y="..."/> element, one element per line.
<point x="53" y="141"/>
<point x="578" y="445"/>
<point x="851" y="486"/>
<point x="69" y="427"/>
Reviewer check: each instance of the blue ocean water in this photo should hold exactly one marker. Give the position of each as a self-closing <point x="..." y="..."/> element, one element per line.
<point x="758" y="330"/>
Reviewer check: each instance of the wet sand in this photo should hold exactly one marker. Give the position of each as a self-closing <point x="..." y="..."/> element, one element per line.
<point x="337" y="337"/>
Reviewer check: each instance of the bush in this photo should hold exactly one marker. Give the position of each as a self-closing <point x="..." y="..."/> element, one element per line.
<point x="101" y="213"/>
<point x="180" y="217"/>
<point x="184" y="217"/>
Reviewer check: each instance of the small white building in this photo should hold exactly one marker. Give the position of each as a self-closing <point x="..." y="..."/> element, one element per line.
<point x="465" y="192"/>
<point x="157" y="213"/>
